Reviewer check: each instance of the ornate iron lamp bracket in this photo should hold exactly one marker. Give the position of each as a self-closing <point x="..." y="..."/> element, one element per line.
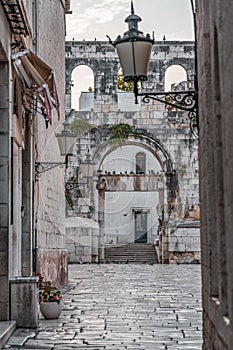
<point x="71" y="185"/>
<point x="41" y="167"/>
<point x="183" y="100"/>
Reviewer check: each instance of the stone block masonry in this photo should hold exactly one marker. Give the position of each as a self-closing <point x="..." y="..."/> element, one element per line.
<point x="163" y="135"/>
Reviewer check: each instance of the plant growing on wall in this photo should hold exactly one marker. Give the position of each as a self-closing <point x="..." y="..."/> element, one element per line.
<point x="80" y="126"/>
<point x="121" y="132"/>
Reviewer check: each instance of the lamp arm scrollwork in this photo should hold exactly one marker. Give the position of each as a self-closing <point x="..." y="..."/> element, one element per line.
<point x="41" y="167"/>
<point x="183" y="100"/>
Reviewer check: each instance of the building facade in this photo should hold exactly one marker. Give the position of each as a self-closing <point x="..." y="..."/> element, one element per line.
<point x="142" y="188"/>
<point x="215" y="69"/>
<point x="31" y="111"/>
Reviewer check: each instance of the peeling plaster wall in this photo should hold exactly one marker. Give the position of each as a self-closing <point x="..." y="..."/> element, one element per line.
<point x="156" y="124"/>
<point x="49" y="189"/>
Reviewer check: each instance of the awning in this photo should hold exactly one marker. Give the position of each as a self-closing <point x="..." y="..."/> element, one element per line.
<point x="38" y="77"/>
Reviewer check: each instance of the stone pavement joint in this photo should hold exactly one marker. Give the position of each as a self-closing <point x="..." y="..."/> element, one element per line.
<point x="123" y="307"/>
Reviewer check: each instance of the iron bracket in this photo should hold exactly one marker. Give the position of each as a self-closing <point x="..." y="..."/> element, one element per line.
<point x="41" y="167"/>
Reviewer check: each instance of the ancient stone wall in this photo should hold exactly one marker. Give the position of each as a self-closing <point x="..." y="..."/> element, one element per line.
<point x="49" y="197"/>
<point x="162" y="131"/>
<point x="215" y="66"/>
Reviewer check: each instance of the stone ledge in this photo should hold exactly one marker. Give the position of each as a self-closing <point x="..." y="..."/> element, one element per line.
<point x="6" y="329"/>
<point x="20" y="336"/>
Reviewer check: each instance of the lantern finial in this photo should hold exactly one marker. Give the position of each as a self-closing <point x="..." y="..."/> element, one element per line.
<point x="132" y="8"/>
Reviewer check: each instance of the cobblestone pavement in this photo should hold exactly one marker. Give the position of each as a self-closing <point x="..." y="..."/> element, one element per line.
<point x="123" y="306"/>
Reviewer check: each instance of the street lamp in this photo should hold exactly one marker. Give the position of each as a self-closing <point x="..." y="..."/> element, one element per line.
<point x="134" y="50"/>
<point x="87" y="167"/>
<point x="66" y="141"/>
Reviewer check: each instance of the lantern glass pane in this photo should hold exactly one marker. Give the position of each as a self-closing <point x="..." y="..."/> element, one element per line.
<point x="134" y="57"/>
<point x="66" y="144"/>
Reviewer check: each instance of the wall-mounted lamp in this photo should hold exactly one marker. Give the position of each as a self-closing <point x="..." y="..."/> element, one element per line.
<point x="66" y="141"/>
<point x="87" y="167"/>
<point x="134" y="50"/>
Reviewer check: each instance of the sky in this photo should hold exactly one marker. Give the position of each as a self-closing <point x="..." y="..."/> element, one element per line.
<point x="94" y="19"/>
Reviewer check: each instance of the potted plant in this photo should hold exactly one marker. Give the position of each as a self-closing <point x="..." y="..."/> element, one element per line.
<point x="49" y="299"/>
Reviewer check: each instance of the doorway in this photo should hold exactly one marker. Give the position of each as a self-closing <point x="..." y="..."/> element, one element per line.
<point x="140" y="226"/>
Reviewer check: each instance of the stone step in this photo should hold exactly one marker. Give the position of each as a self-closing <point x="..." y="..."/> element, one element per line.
<point x="6" y="329"/>
<point x="131" y="253"/>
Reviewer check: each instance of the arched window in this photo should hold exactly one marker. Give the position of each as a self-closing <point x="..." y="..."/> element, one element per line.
<point x="82" y="81"/>
<point x="175" y="78"/>
<point x="140" y="163"/>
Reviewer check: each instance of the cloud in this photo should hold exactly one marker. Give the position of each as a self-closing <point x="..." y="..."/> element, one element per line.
<point x="99" y="13"/>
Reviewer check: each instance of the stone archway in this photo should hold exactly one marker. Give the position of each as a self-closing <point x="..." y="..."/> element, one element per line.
<point x="124" y="197"/>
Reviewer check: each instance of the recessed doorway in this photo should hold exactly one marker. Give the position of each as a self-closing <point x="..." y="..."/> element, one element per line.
<point x="140" y="225"/>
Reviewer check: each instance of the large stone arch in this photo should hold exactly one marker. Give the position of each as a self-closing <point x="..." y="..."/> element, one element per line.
<point x="145" y="140"/>
<point x="144" y="186"/>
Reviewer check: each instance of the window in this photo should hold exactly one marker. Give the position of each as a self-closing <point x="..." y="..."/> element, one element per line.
<point x="82" y="87"/>
<point x="140" y="163"/>
<point x="175" y="78"/>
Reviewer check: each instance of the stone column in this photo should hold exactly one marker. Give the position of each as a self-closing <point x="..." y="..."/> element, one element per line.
<point x="27" y="243"/>
<point x="101" y="187"/>
<point x="4" y="190"/>
<point x="165" y="243"/>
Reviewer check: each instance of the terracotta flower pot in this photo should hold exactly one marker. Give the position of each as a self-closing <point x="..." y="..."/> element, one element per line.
<point x="50" y="309"/>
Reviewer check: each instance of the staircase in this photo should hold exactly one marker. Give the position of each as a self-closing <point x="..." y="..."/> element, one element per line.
<point x="131" y="253"/>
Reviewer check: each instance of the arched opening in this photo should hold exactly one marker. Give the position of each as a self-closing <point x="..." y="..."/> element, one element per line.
<point x="175" y="78"/>
<point x="82" y="88"/>
<point x="131" y="202"/>
<point x="130" y="159"/>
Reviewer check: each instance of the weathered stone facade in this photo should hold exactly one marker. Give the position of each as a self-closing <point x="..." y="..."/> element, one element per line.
<point x="215" y="69"/>
<point x="82" y="236"/>
<point x="157" y="131"/>
<point x="49" y="189"/>
<point x="29" y="208"/>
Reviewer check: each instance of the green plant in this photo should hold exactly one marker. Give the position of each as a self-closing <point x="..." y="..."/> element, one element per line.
<point x="69" y="199"/>
<point x="123" y="85"/>
<point x="47" y="292"/>
<point x="169" y="99"/>
<point x="80" y="126"/>
<point x="182" y="170"/>
<point x="121" y="132"/>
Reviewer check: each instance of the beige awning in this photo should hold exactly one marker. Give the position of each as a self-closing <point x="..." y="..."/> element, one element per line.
<point x="37" y="71"/>
<point x="38" y="77"/>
